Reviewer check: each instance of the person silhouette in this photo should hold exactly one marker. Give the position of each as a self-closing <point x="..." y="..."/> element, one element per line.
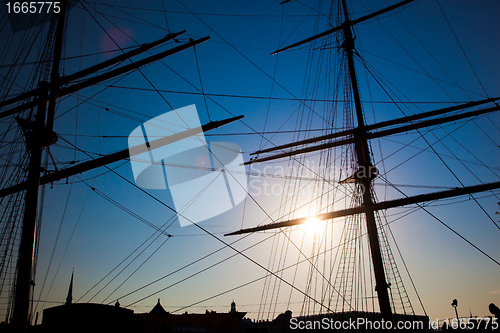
<point x="495" y="311"/>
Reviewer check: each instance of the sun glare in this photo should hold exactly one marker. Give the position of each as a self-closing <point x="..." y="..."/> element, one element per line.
<point x="312" y="224"/>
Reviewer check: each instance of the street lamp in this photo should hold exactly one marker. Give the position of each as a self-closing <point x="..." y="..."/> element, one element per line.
<point x="454" y="304"/>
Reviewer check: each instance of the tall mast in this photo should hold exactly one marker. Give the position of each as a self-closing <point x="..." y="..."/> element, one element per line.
<point x="40" y="134"/>
<point x="365" y="175"/>
<point x="366" y="172"/>
<point x="40" y="137"/>
<point x="54" y="76"/>
<point x="25" y="263"/>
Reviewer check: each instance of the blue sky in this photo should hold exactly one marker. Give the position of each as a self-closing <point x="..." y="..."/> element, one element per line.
<point x="236" y="71"/>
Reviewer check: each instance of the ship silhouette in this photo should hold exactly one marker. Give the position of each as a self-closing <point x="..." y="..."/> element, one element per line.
<point x="322" y="160"/>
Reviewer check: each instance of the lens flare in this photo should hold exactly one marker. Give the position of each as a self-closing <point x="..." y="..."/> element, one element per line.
<point x="312" y="224"/>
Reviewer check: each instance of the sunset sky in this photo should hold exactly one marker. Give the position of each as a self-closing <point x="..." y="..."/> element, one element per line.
<point x="413" y="51"/>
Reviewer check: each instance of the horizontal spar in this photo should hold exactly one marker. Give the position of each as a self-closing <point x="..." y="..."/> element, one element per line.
<point x="106" y="76"/>
<point x="376" y="206"/>
<point x="95" y="68"/>
<point x="120" y="155"/>
<point x="374" y="135"/>
<point x="387" y="123"/>
<point x="350" y="23"/>
<point x="127" y="68"/>
<point x="122" y="57"/>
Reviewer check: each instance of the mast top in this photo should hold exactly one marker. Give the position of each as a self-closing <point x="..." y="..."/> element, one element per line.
<point x="347" y="22"/>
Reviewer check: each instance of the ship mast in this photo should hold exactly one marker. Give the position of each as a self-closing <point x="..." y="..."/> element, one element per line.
<point x="39" y="134"/>
<point x="366" y="174"/>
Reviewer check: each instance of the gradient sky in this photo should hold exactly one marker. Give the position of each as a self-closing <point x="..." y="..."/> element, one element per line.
<point x="236" y="63"/>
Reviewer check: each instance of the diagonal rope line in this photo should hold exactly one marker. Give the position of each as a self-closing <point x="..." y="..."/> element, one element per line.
<point x="227" y="245"/>
<point x="462" y="49"/>
<point x="444" y="224"/>
<point x="435" y="152"/>
<point x="201" y="82"/>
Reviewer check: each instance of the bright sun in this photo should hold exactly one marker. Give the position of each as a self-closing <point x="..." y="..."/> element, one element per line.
<point x="312" y="224"/>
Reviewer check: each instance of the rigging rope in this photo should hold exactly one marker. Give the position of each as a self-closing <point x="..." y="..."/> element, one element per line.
<point x="448" y="227"/>
<point x="201" y="83"/>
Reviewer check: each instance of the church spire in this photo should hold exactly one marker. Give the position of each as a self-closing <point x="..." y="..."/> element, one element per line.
<point x="158" y="309"/>
<point x="69" y="298"/>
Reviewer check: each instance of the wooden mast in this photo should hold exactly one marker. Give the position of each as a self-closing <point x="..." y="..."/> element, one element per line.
<point x="365" y="170"/>
<point x="24" y="281"/>
<point x="39" y="134"/>
<point x="40" y="137"/>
